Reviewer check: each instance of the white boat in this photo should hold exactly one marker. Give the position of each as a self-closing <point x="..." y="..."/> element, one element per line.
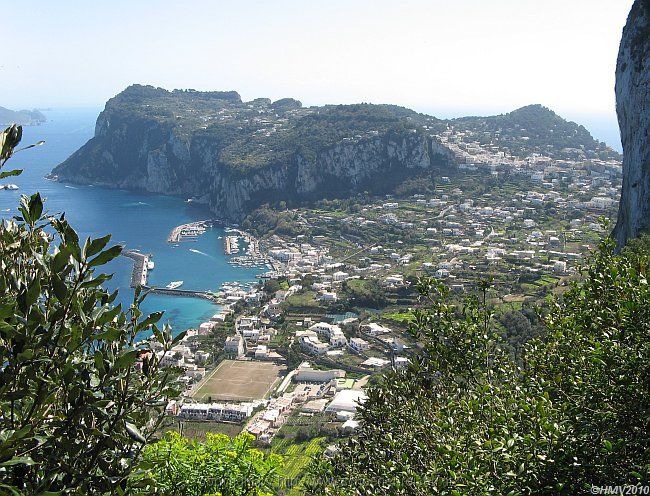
<point x="174" y="284"/>
<point x="9" y="186"/>
<point x="150" y="265"/>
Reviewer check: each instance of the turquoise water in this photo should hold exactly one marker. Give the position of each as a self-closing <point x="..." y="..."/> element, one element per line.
<point x="141" y="221"/>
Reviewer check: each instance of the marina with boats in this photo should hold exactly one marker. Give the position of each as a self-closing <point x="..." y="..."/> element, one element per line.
<point x="235" y="242"/>
<point x="189" y="231"/>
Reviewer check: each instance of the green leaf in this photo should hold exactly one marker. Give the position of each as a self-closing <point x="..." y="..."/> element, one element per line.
<point x="99" y="361"/>
<point x="33" y="292"/>
<point x="134" y="432"/>
<point x="150" y="320"/>
<point x="179" y="337"/>
<point x="18" y="460"/>
<point x="15" y="172"/>
<point x="59" y="286"/>
<point x="93" y="247"/>
<point x="106" y="256"/>
<point x="126" y="359"/>
<point x="35" y="207"/>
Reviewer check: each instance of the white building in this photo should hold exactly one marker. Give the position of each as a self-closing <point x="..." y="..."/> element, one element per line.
<point x="235" y="345"/>
<point x="359" y="345"/>
<point x="205" y="328"/>
<point x="394" y="280"/>
<point x="228" y="412"/>
<point x="306" y="374"/>
<point x="559" y="267"/>
<point x="337" y="339"/>
<point x="328" y="296"/>
<point x="346" y="400"/>
<point x="261" y="352"/>
<point x="374" y="329"/>
<point x="313" y="346"/>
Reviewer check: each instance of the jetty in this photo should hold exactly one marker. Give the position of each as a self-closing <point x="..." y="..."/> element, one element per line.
<point x="140" y="271"/>
<point x="182" y="292"/>
<point x="230" y="245"/>
<point x="191" y="230"/>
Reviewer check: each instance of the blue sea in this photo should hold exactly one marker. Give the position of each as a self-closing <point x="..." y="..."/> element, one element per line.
<point x="140" y="221"/>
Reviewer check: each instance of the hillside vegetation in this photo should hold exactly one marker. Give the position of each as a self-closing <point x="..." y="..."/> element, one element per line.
<point x="260" y="133"/>
<point x="467" y="418"/>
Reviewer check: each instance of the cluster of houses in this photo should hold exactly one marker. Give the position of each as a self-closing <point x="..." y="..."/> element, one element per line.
<point x="252" y="336"/>
<point x="500" y="230"/>
<point x="188" y="355"/>
<point x="305" y="389"/>
<point x="313" y="391"/>
<point x="472" y="155"/>
<point x="322" y="338"/>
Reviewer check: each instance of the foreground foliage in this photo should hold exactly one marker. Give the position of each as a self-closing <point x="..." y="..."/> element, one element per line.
<point x="79" y="395"/>
<point x="466" y="418"/>
<point x="219" y="466"/>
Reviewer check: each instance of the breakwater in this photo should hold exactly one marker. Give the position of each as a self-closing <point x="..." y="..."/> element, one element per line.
<point x="182" y="292"/>
<point x="190" y="230"/>
<point x="140" y="270"/>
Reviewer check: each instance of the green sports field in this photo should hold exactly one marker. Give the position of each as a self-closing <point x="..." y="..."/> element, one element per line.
<point x="235" y="380"/>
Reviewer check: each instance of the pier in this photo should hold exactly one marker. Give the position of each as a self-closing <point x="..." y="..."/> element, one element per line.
<point x="192" y="230"/>
<point x="230" y="245"/>
<point x="182" y="292"/>
<point x="140" y="261"/>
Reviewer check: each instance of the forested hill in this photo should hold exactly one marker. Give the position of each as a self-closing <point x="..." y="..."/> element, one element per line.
<point x="535" y="129"/>
<point x="237" y="155"/>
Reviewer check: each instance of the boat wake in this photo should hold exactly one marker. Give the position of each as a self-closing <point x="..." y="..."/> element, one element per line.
<point x="200" y="252"/>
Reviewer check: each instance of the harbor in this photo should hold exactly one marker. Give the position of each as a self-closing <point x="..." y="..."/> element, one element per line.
<point x="253" y="258"/>
<point x="242" y="248"/>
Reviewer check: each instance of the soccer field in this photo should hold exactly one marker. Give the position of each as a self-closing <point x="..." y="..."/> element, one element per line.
<point x="235" y="380"/>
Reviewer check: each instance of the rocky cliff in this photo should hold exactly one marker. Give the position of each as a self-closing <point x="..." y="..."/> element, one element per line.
<point x="236" y="155"/>
<point x="633" y="108"/>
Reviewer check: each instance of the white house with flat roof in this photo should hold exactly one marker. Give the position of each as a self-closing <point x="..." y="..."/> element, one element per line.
<point x="374" y="329"/>
<point x="235" y="345"/>
<point x="312" y="345"/>
<point x="359" y="345"/>
<point x="346" y="400"/>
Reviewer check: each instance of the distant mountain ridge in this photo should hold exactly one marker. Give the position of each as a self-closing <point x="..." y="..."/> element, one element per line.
<point x="538" y="126"/>
<point x="23" y="117"/>
<point x="237" y="155"/>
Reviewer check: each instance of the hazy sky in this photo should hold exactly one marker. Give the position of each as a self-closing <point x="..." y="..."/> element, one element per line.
<point x="442" y="57"/>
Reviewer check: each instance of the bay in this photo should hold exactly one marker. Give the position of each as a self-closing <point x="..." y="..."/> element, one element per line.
<point x="140" y="221"/>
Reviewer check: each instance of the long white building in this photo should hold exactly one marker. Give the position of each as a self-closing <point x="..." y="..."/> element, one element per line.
<point x="229" y="412"/>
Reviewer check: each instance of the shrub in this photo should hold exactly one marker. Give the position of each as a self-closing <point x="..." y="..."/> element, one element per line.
<point x="466" y="418"/>
<point x="79" y="394"/>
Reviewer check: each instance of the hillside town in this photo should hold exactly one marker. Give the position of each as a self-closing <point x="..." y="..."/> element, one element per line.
<point x="293" y="354"/>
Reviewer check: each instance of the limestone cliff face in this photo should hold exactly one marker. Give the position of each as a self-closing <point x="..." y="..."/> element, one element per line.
<point x="633" y="108"/>
<point x="149" y="155"/>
